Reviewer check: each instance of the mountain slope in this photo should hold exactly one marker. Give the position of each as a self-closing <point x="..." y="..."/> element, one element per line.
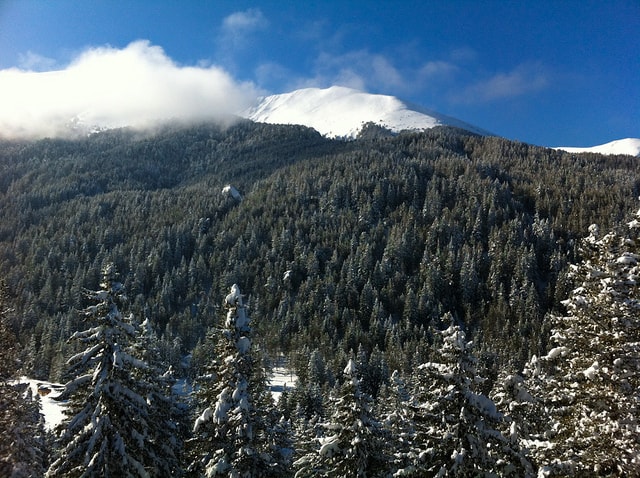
<point x="341" y="112"/>
<point x="630" y="146"/>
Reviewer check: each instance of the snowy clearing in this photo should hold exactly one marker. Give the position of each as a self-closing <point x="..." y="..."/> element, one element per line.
<point x="52" y="410"/>
<point x="281" y="379"/>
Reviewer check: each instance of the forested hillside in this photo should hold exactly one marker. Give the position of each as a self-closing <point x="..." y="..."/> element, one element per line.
<point x="340" y="245"/>
<point x="376" y="250"/>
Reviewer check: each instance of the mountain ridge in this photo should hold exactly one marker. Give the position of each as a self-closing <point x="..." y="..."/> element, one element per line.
<point x="629" y="146"/>
<point x="341" y="112"/>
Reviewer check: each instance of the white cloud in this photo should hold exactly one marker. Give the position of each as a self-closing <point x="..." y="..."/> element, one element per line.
<point x="237" y="27"/>
<point x="523" y="79"/>
<point x="137" y="86"/>
<point x="375" y="72"/>
<point x="244" y="21"/>
<point x="34" y="62"/>
<point x="357" y="69"/>
<point x="436" y="69"/>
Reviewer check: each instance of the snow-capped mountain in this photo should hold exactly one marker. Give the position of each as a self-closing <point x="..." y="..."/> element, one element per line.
<point x="630" y="146"/>
<point x="341" y="112"/>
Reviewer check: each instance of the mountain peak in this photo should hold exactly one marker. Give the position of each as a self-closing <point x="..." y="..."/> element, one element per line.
<point x="341" y="112"/>
<point x="630" y="146"/>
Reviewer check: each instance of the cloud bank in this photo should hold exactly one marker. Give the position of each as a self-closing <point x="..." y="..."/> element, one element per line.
<point x="137" y="86"/>
<point x="524" y="79"/>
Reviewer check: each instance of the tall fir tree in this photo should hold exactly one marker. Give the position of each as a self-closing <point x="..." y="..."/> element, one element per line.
<point x="234" y="434"/>
<point x="394" y="409"/>
<point x="22" y="434"/>
<point x="353" y="440"/>
<point x="168" y="413"/>
<point x="456" y="424"/>
<point x="110" y="429"/>
<point x="589" y="379"/>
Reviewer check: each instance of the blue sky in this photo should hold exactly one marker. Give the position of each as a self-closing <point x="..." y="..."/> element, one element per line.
<point x="552" y="73"/>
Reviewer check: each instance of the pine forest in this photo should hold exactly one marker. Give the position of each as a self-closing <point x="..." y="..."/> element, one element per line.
<point x="450" y="305"/>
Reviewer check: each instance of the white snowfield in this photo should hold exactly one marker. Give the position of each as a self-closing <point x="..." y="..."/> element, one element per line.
<point x="52" y="410"/>
<point x="340" y="112"/>
<point x="630" y="146"/>
<point x="281" y="379"/>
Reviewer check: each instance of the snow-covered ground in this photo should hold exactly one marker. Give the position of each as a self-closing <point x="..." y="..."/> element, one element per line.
<point x="340" y="112"/>
<point x="52" y="410"/>
<point x="630" y="146"/>
<point x="281" y="379"/>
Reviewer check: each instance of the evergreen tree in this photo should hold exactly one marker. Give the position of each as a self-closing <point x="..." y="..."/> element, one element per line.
<point x="110" y="429"/>
<point x="395" y="412"/>
<point x="234" y="435"/>
<point x="353" y="443"/>
<point x="456" y="424"/>
<point x="589" y="379"/>
<point x="167" y="415"/>
<point x="524" y="414"/>
<point x="22" y="434"/>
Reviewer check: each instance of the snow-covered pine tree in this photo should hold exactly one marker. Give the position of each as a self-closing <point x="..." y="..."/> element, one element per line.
<point x="109" y="430"/>
<point x="589" y="379"/>
<point x="456" y="424"/>
<point x="307" y="412"/>
<point x="22" y="434"/>
<point x="233" y="434"/>
<point x="353" y="441"/>
<point x="523" y="413"/>
<point x="168" y="415"/>
<point x="394" y="409"/>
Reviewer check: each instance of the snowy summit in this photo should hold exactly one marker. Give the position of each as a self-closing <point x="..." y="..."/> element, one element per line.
<point x="340" y="112"/>
<point x="630" y="146"/>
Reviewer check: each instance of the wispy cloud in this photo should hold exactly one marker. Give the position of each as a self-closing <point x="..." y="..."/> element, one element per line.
<point x="138" y="86"/>
<point x="238" y="32"/>
<point x="246" y="20"/>
<point x="436" y="70"/>
<point x="237" y="26"/>
<point x="33" y="62"/>
<point x="524" y="79"/>
<point x="357" y="69"/>
<point x="366" y="71"/>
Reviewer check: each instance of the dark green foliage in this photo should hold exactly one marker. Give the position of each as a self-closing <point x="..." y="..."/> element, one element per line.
<point x="22" y="435"/>
<point x="118" y="419"/>
<point x="588" y="382"/>
<point x="351" y="441"/>
<point x="349" y="249"/>
<point x="236" y="432"/>
<point x="343" y="244"/>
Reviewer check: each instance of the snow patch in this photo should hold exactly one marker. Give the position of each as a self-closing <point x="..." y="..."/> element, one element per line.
<point x="232" y="192"/>
<point x="281" y="379"/>
<point x="340" y="112"/>
<point x="330" y="446"/>
<point x="52" y="410"/>
<point x="206" y="415"/>
<point x="234" y="296"/>
<point x="592" y="372"/>
<point x="556" y="352"/>
<point x="627" y="259"/>
<point x="630" y="146"/>
<point x="350" y="369"/>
